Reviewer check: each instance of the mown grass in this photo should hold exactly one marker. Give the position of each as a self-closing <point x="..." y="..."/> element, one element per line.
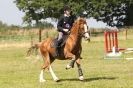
<point x="18" y="71"/>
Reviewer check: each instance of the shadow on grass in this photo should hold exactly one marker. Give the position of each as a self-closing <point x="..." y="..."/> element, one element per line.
<point x="91" y="79"/>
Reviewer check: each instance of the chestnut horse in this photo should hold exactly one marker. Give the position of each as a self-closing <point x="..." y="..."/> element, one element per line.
<point x="72" y="49"/>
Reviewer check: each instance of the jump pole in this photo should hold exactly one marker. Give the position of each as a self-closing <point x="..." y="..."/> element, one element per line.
<point x="111" y="45"/>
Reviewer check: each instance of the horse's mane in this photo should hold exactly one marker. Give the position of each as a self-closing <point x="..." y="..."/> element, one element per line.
<point x="76" y="25"/>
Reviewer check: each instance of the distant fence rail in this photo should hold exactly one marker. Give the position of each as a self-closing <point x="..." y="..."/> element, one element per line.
<point x="25" y="35"/>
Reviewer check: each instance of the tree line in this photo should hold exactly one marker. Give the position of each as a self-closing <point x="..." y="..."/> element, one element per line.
<point x="113" y="12"/>
<point x="4" y="27"/>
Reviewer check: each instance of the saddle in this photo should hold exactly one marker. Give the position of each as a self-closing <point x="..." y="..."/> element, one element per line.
<point x="59" y="49"/>
<point x="61" y="43"/>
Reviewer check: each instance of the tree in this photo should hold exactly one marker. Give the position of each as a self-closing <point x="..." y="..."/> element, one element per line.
<point x="129" y="13"/>
<point x="113" y="12"/>
<point x="41" y="9"/>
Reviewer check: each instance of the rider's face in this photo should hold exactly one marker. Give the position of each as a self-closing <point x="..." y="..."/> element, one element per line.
<point x="67" y="12"/>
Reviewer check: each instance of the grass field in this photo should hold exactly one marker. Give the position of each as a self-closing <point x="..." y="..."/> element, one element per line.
<point x="18" y="71"/>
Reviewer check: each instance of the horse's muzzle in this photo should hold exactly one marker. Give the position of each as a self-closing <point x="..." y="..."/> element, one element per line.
<point x="86" y="36"/>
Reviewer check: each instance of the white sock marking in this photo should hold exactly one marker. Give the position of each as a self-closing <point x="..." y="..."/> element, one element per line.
<point x="41" y="79"/>
<point x="53" y="74"/>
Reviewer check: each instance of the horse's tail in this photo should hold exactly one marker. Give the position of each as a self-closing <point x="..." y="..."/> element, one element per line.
<point x="33" y="48"/>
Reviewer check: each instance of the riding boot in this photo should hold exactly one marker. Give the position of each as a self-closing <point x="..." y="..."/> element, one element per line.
<point x="57" y="48"/>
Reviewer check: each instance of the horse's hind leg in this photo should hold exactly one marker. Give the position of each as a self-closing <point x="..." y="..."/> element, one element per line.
<point x="55" y="78"/>
<point x="44" y="66"/>
<point x="79" y="69"/>
<point x="41" y="76"/>
<point x="53" y="74"/>
<point x="47" y="65"/>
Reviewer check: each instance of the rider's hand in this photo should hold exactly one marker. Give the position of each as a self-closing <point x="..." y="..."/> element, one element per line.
<point x="65" y="30"/>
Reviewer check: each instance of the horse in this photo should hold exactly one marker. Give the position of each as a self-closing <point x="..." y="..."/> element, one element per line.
<point x="71" y="51"/>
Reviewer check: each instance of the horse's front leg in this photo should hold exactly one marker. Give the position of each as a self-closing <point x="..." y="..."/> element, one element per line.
<point x="73" y="59"/>
<point x="79" y="69"/>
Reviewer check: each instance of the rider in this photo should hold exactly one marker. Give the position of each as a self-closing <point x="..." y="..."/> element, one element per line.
<point x="64" y="25"/>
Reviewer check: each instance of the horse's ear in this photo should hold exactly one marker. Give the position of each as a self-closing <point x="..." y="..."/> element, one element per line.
<point x="78" y="18"/>
<point x="75" y="22"/>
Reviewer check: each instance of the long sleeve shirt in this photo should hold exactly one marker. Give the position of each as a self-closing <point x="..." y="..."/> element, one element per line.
<point x="65" y="22"/>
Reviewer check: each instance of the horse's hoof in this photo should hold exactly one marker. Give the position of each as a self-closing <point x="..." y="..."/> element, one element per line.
<point x="57" y="80"/>
<point x="81" y="78"/>
<point x="68" y="67"/>
<point x="42" y="80"/>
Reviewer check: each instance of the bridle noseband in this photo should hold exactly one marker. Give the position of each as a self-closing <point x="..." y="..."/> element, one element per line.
<point x="81" y="34"/>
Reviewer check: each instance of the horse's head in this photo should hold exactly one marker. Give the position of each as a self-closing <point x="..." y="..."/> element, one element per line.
<point x="82" y="28"/>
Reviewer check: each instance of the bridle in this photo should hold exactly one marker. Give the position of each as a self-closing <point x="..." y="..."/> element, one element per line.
<point x="83" y="33"/>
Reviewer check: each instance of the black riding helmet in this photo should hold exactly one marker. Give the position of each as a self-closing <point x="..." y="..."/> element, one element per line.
<point x="67" y="8"/>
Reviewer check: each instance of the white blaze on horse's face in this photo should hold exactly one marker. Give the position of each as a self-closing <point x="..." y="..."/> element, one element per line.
<point x="86" y="34"/>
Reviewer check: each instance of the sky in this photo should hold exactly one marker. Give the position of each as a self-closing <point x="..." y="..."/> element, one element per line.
<point x="10" y="14"/>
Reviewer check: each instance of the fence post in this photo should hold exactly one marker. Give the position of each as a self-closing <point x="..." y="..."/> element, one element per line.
<point x="126" y="34"/>
<point x="40" y="35"/>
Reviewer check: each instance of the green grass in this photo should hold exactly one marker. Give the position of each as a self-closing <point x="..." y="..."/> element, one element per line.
<point x="17" y="71"/>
